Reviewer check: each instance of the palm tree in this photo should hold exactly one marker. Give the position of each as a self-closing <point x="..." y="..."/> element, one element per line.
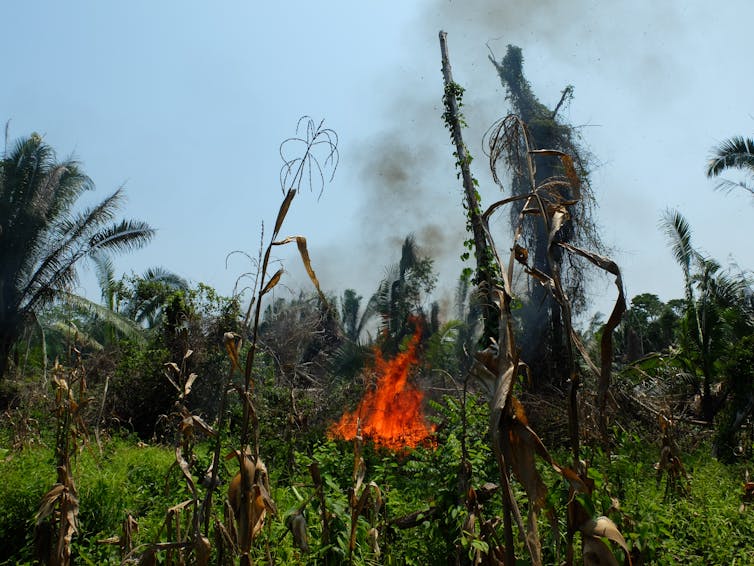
<point x="42" y="239"/>
<point x="716" y="306"/>
<point x="400" y="295"/>
<point x="151" y="291"/>
<point x="734" y="153"/>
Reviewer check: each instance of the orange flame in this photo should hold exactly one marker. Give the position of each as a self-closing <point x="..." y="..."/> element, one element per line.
<point x="391" y="413"/>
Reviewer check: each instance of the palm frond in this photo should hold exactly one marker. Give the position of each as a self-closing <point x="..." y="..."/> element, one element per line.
<point x="736" y="152"/>
<point x="727" y="186"/>
<point x="678" y="231"/>
<point x="124" y="325"/>
<point x="104" y="270"/>
<point x="124" y="236"/>
<point x="67" y="328"/>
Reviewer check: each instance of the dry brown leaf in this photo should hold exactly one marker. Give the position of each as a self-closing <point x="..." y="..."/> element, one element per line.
<point x="283" y="211"/>
<point x="359" y="473"/>
<point x="606" y="344"/>
<point x="304" y="252"/>
<point x="272" y="282"/>
<point x="377" y="497"/>
<point x="604" y="527"/>
<point x="49" y="500"/>
<point x="373" y="536"/>
<point x="203" y="426"/>
<point x="189" y="383"/>
<point x="184" y="466"/>
<point x="248" y="495"/>
<point x="203" y="551"/>
<point x="568" y="167"/>
<point x="523" y="446"/>
<point x="597" y="553"/>
<point x="296" y="523"/>
<point x="231" y="346"/>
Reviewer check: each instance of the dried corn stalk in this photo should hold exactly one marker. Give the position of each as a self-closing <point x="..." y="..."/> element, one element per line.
<point x="515" y="444"/>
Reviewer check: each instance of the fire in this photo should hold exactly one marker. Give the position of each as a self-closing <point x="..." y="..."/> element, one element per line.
<point x="390" y="414"/>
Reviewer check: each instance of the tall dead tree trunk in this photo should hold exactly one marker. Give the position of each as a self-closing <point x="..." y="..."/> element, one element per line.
<point x="544" y="340"/>
<point x="485" y="266"/>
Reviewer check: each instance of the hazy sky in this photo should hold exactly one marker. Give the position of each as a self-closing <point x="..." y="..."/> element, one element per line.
<point x="185" y="103"/>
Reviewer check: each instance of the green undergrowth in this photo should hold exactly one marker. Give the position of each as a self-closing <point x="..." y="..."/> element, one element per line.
<point x="125" y="478"/>
<point x="699" y="522"/>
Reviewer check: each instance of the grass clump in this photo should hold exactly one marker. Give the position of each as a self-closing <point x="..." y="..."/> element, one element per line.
<point x="127" y="478"/>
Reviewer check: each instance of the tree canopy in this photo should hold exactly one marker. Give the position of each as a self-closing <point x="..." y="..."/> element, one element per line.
<point x="43" y="237"/>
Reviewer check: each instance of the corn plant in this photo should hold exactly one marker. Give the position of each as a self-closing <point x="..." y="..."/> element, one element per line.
<point x="57" y="518"/>
<point x="188" y="524"/>
<point x="514" y="442"/>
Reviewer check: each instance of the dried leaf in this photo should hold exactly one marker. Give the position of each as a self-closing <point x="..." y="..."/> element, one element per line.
<point x="359" y="473"/>
<point x="376" y="497"/>
<point x="272" y="282"/>
<point x="248" y="495"/>
<point x="304" y="253"/>
<point x="373" y="536"/>
<point x="203" y="426"/>
<point x="202" y="550"/>
<point x="184" y="466"/>
<point x="296" y="523"/>
<point x="523" y="448"/>
<point x="283" y="211"/>
<point x="606" y="344"/>
<point x="231" y="346"/>
<point x="568" y="167"/>
<point x="604" y="527"/>
<point x="189" y="383"/>
<point x="49" y="500"/>
<point x="180" y="506"/>
<point x="597" y="553"/>
<point x="301" y="243"/>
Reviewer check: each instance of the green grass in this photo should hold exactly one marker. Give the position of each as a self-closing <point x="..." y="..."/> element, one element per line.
<point x="125" y="479"/>
<point x="704" y="527"/>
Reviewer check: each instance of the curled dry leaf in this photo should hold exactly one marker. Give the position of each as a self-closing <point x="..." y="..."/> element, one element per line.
<point x="296" y="523"/>
<point x="189" y="384"/>
<point x="283" y="211"/>
<point x="272" y="282"/>
<point x="203" y="551"/>
<point x="604" y="527"/>
<point x="184" y="466"/>
<point x="597" y="553"/>
<point x="231" y="346"/>
<point x="249" y="497"/>
<point x="304" y="253"/>
<point x="567" y="162"/>
<point x="373" y="536"/>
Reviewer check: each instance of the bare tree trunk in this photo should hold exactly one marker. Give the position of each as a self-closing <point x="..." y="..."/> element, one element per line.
<point x="482" y="253"/>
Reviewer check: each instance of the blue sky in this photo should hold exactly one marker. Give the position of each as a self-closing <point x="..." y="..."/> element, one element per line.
<point x="185" y="103"/>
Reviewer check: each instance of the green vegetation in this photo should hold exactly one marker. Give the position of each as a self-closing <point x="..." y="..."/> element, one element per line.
<point x="43" y="238"/>
<point x="180" y="426"/>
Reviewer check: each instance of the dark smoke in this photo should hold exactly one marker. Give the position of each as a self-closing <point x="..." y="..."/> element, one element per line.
<point x="405" y="175"/>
